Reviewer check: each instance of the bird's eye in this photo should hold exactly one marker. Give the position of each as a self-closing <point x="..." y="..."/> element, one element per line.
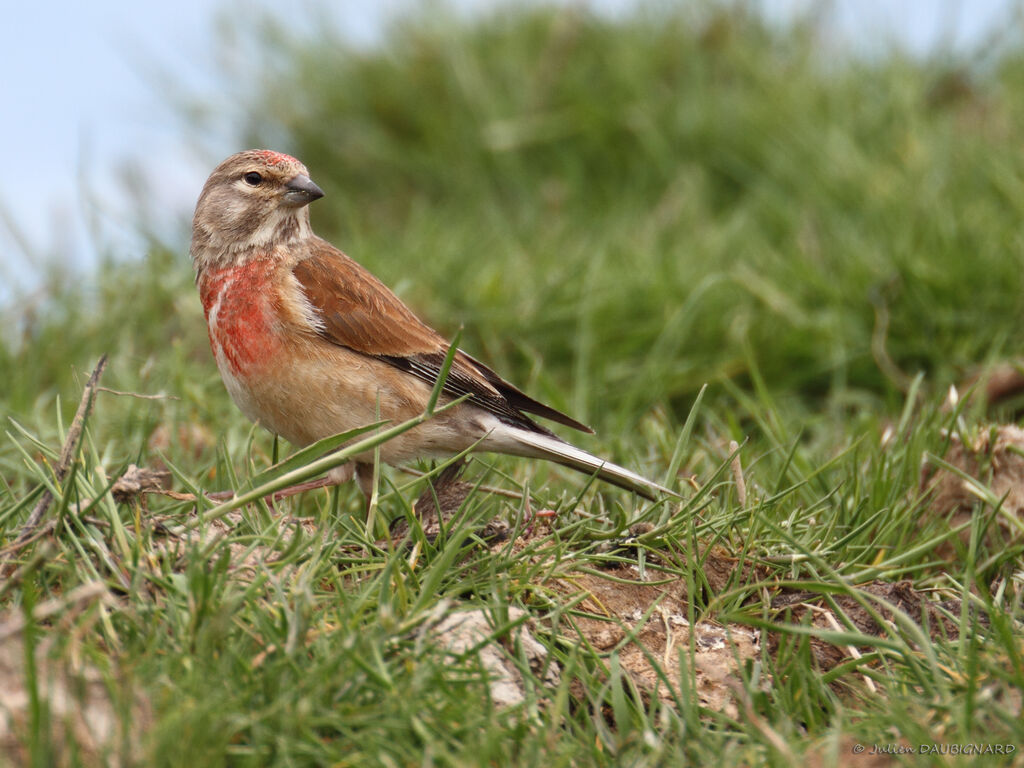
<point x="253" y="179"/>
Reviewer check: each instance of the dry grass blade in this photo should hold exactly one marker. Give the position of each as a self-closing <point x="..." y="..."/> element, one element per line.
<point x="67" y="455"/>
<point x="736" y="465"/>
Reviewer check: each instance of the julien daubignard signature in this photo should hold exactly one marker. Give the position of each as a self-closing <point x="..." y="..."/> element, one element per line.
<point x="970" y="748"/>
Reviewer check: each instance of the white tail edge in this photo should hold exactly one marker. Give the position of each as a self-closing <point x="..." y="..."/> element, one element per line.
<point x="535" y="445"/>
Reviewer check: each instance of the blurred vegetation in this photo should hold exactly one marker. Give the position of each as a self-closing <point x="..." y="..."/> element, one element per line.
<point x="625" y="210"/>
<point x="617" y="212"/>
<point x="670" y="198"/>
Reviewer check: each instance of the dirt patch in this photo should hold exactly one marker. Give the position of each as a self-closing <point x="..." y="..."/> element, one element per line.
<point x="860" y="616"/>
<point x="645" y="625"/>
<point x="995" y="460"/>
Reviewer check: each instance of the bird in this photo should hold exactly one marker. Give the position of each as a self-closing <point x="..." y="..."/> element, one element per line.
<point x="310" y="344"/>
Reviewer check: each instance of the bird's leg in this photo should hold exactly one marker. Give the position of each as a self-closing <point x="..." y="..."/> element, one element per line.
<point x="336" y="476"/>
<point x="531" y="517"/>
<point x="363" y="472"/>
<point x="440" y="500"/>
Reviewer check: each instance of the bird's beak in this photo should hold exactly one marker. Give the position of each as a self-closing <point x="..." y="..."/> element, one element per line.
<point x="302" y="191"/>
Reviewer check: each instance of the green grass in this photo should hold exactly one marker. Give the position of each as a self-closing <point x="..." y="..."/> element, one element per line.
<point x="616" y="214"/>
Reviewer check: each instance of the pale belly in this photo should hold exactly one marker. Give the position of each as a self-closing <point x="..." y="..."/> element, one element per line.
<point x="336" y="390"/>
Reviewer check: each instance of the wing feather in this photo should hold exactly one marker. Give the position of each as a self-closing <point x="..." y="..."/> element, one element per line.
<point x="357" y="311"/>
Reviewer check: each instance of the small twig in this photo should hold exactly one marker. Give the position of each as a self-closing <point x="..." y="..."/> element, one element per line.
<point x="667" y="656"/>
<point x="176" y="495"/>
<point x="737" y="473"/>
<point x="67" y="456"/>
<point x="852" y="649"/>
<point x="293" y="490"/>
<point x="138" y="395"/>
<point x="23" y="542"/>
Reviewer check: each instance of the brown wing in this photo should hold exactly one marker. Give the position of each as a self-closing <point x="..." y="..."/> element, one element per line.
<point x="359" y="312"/>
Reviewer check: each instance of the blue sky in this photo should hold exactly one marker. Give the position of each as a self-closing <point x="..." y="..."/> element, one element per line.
<point x="80" y="103"/>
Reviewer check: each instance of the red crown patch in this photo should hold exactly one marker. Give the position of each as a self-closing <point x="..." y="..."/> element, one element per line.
<point x="275" y="158"/>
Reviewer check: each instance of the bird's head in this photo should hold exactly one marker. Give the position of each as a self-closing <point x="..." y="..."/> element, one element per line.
<point x="252" y="200"/>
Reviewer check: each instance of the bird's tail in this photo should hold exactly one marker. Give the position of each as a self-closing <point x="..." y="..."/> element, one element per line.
<point x="538" y="446"/>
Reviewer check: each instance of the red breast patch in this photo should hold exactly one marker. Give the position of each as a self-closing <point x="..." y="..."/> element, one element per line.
<point x="239" y="303"/>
